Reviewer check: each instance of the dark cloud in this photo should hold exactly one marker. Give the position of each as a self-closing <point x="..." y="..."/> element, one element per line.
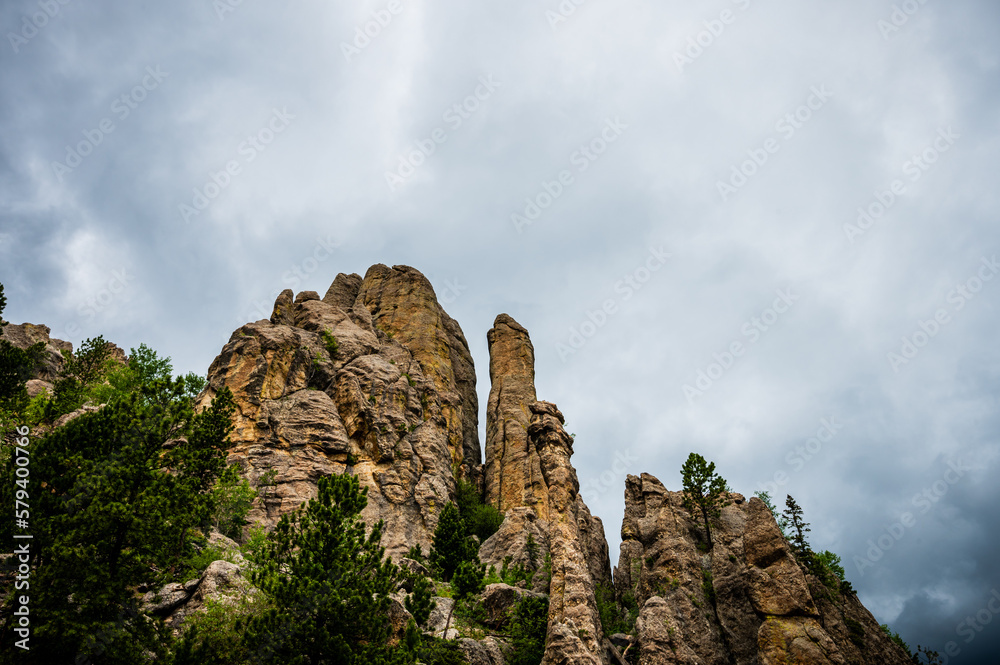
<point x="686" y="126"/>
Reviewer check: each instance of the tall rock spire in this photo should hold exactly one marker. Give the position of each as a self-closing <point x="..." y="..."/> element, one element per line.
<point x="529" y="476"/>
<point x="512" y="476"/>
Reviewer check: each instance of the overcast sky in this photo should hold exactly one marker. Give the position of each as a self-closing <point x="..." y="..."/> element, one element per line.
<point x="641" y="184"/>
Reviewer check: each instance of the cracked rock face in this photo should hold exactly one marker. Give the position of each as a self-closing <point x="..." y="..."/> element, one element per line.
<point x="528" y="476"/>
<point x="373" y="379"/>
<point x="746" y="601"/>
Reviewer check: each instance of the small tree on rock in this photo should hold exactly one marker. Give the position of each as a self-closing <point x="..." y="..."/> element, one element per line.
<point x="451" y="547"/>
<point x="798" y="526"/>
<point x="329" y="582"/>
<point x="705" y="492"/>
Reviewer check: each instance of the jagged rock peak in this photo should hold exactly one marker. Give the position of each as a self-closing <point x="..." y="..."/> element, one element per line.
<point x="373" y="379"/>
<point x="747" y="601"/>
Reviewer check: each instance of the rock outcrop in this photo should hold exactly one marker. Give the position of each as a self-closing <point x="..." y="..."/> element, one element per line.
<point x="373" y="379"/>
<point x="222" y="582"/>
<point x="26" y="335"/>
<point x="746" y="601"/>
<point x="528" y="475"/>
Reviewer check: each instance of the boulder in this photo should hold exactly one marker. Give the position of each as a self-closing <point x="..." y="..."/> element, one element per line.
<point x="499" y="600"/>
<point x="489" y="651"/>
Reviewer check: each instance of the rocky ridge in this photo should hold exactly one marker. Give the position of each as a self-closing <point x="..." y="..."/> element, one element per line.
<point x="376" y="380"/>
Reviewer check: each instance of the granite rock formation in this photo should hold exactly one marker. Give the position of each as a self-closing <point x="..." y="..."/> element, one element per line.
<point x="373" y="379"/>
<point x="746" y="601"/>
<point x="528" y="475"/>
<point x="26" y="335"/>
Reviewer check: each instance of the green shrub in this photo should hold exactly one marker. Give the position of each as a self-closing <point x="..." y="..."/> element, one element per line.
<point x="614" y="618"/>
<point x="233" y="497"/>
<point x="451" y="546"/>
<point x="894" y="636"/>
<point x="419" y="602"/>
<point x="329" y="342"/>
<point x="515" y="574"/>
<point x="199" y="560"/>
<point x="528" y="627"/>
<point x="253" y="546"/>
<point x="329" y="581"/>
<point x="468" y="579"/>
<point x="216" y="636"/>
<point x="481" y="520"/>
<point x="855" y="631"/>
<point x="707" y="586"/>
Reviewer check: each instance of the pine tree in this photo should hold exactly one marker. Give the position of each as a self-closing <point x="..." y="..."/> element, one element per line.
<point x="799" y="527"/>
<point x="329" y="583"/>
<point x="705" y="492"/>
<point x="469" y="579"/>
<point x="112" y="510"/>
<point x="419" y="602"/>
<point x="451" y="546"/>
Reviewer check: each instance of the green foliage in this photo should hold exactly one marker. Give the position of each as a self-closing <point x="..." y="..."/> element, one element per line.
<point x="419" y="602"/>
<point x="233" y="497"/>
<point x="329" y="342"/>
<point x="778" y="517"/>
<point x="193" y="383"/>
<point x="528" y="627"/>
<point x="468" y="580"/>
<point x="451" y="546"/>
<point x="254" y="546"/>
<point x="826" y="565"/>
<point x="707" y="586"/>
<point x="113" y="510"/>
<point x="481" y="520"/>
<point x="894" y="636"/>
<point x="705" y="492"/>
<point x="546" y="576"/>
<point x="615" y="618"/>
<point x="93" y="376"/>
<point x="201" y="558"/>
<point x="16" y="367"/>
<point x="433" y="651"/>
<point x="80" y="371"/>
<point x="329" y="583"/>
<point x="531" y="548"/>
<point x="855" y="632"/>
<point x="514" y="575"/>
<point x="216" y="636"/>
<point x="796" y="525"/>
<point x="266" y="483"/>
<point x="415" y="553"/>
